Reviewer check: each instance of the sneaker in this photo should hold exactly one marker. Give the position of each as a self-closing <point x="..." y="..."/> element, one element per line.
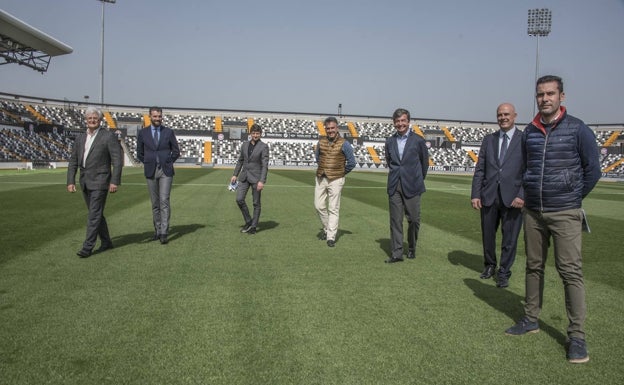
<point x="577" y="351"/>
<point x="523" y="326"/>
<point x="331" y="243"/>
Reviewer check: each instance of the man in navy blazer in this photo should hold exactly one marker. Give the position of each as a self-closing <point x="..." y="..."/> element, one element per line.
<point x="98" y="155"/>
<point x="157" y="149"/>
<point x="251" y="171"/>
<point x="407" y="158"/>
<point x="497" y="192"/>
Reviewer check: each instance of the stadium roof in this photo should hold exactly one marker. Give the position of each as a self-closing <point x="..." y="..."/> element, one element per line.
<point x="25" y="45"/>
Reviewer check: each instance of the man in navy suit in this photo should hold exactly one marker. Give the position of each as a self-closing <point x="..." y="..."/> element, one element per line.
<point x="251" y="172"/>
<point x="497" y="192"/>
<point x="157" y="149"/>
<point x="407" y="158"/>
<point x="95" y="153"/>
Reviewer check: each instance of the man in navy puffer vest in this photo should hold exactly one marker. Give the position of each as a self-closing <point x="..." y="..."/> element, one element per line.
<point x="562" y="168"/>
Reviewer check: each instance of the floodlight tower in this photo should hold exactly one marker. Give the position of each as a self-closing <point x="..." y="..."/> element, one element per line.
<point x="539" y="23"/>
<point x="102" y="65"/>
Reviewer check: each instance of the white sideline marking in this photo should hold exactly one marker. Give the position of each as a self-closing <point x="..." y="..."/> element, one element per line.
<point x="224" y="185"/>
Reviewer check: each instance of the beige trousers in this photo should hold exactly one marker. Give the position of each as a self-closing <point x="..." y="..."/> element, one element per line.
<point x="327" y="204"/>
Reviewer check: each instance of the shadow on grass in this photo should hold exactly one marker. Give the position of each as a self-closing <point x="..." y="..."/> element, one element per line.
<point x="384" y="245"/>
<point x="179" y="231"/>
<point x="339" y="234"/>
<point x="174" y="233"/>
<point x="267" y="225"/>
<point x="510" y="304"/>
<point x="471" y="261"/>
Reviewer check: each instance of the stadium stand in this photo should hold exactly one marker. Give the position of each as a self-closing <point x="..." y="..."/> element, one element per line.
<point x="40" y="131"/>
<point x="24" y="145"/>
<point x="375" y="129"/>
<point x="612" y="163"/>
<point x="189" y="122"/>
<point x="292" y="151"/>
<point x="61" y="116"/>
<point x="471" y="134"/>
<point x="286" y="126"/>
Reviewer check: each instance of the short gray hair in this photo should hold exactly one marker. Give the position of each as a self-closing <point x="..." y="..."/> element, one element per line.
<point x="93" y="110"/>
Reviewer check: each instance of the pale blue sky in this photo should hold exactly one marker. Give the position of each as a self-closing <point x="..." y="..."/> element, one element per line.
<point x="440" y="59"/>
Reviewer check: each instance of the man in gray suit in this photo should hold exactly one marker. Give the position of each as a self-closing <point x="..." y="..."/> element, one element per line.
<point x="408" y="161"/>
<point x="157" y="149"/>
<point x="251" y="171"/>
<point x="497" y="192"/>
<point x="94" y="153"/>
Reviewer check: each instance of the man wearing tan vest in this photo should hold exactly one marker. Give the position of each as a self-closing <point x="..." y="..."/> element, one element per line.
<point x="335" y="159"/>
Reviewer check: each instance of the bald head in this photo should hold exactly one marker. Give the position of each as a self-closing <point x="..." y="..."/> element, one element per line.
<point x="506" y="116"/>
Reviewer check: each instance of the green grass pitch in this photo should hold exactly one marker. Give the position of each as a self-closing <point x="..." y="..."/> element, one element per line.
<point x="215" y="306"/>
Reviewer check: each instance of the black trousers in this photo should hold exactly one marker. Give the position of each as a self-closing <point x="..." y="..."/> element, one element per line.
<point x="510" y="221"/>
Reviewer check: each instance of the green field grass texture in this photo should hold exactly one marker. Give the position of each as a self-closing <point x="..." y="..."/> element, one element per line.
<point x="215" y="306"/>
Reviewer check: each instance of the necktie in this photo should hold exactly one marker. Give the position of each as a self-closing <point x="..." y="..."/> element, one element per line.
<point x="156" y="136"/>
<point x="503" y="149"/>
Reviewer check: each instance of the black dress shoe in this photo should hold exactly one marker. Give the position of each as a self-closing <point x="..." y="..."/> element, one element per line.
<point x="394" y="260"/>
<point x="502" y="283"/>
<point x="83" y="253"/>
<point x="104" y="247"/>
<point x="411" y="254"/>
<point x="163" y="239"/>
<point x="488" y="272"/>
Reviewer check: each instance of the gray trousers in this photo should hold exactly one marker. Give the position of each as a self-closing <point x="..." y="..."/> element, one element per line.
<point x="241" y="193"/>
<point x="160" y="189"/>
<point x="96" y="222"/>
<point x="564" y="227"/>
<point x="410" y="207"/>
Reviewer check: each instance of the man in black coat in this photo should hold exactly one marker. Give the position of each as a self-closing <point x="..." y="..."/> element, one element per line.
<point x="497" y="192"/>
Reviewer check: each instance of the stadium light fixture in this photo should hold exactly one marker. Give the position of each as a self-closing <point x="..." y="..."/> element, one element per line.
<point x="539" y="24"/>
<point x="102" y="64"/>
